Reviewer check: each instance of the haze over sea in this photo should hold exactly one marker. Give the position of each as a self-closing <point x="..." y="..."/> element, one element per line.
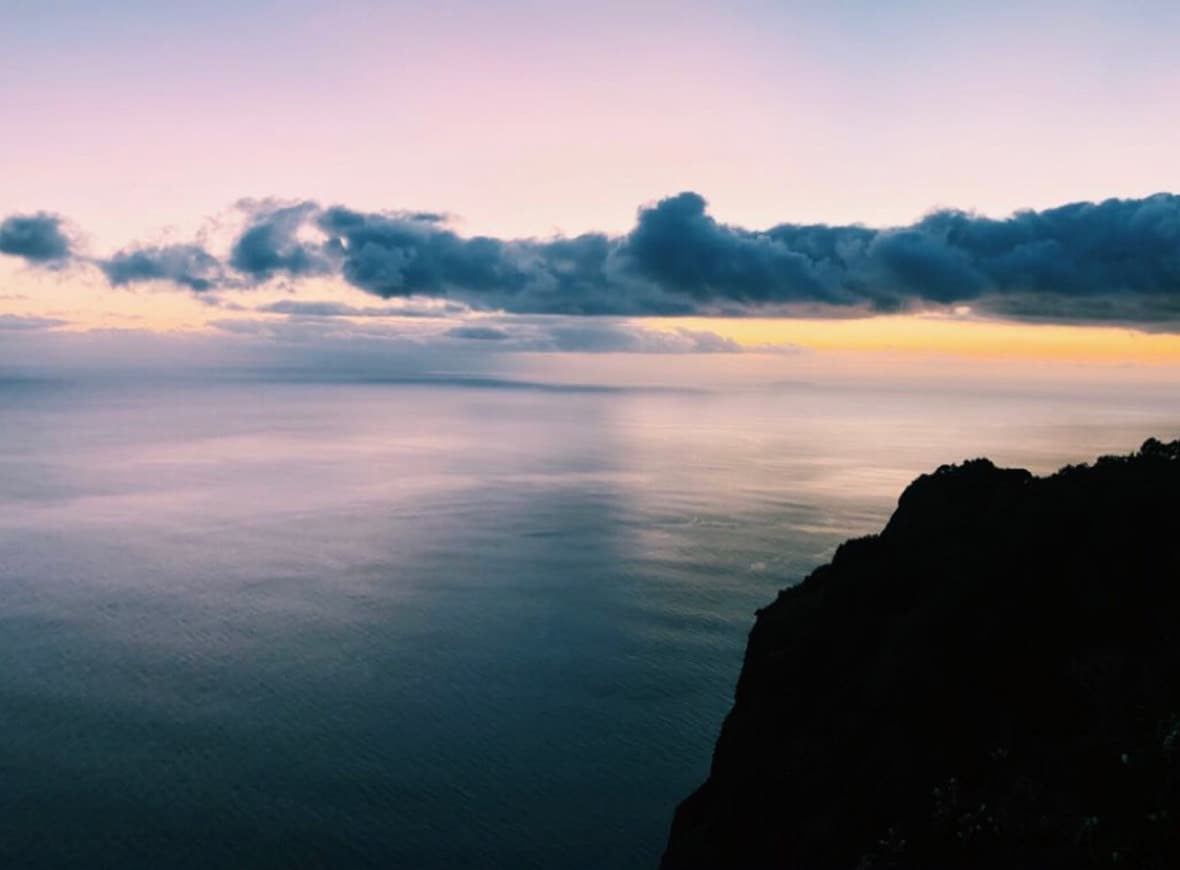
<point x="431" y="623"/>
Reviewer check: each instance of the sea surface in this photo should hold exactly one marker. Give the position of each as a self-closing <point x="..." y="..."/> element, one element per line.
<point x="425" y="624"/>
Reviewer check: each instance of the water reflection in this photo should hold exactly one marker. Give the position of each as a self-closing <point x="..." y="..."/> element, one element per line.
<point x="410" y="625"/>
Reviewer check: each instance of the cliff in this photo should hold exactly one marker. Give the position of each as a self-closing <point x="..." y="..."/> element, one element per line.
<point x="993" y="681"/>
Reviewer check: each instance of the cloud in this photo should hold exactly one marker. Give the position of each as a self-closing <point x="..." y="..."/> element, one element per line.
<point x="403" y="255"/>
<point x="478" y="333"/>
<point x="571" y="334"/>
<point x="1116" y="261"/>
<point x="595" y="337"/>
<point x="498" y="334"/>
<point x="270" y="245"/>
<point x="212" y="300"/>
<point x="189" y="266"/>
<point x="318" y="330"/>
<point x="311" y="308"/>
<point x="23" y="323"/>
<point x="38" y="238"/>
<point x="678" y="247"/>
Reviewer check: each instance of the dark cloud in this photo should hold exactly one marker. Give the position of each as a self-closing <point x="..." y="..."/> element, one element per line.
<point x="678" y="247"/>
<point x="270" y="245"/>
<point x="478" y="333"/>
<point x="38" y="238"/>
<point x="1116" y="248"/>
<point x="1116" y="261"/>
<point x="190" y="266"/>
<point x="1150" y="312"/>
<point x="1125" y="251"/>
<point x="396" y="255"/>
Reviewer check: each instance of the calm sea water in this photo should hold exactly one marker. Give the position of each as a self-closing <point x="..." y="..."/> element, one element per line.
<point x="416" y="625"/>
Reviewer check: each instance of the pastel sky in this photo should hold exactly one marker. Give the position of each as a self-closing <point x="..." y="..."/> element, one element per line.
<point x="145" y="125"/>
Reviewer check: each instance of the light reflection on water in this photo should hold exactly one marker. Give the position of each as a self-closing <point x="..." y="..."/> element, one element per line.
<point x="281" y="625"/>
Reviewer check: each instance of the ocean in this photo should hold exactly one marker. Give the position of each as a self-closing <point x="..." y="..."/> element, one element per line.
<point x="434" y="623"/>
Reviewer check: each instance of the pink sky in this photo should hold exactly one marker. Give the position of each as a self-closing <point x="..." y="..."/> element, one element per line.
<point x="142" y="122"/>
<point x="524" y="118"/>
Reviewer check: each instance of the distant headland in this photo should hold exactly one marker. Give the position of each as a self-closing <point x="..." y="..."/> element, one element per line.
<point x="993" y="681"/>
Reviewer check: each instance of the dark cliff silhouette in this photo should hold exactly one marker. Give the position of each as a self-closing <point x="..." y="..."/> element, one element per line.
<point x="993" y="681"/>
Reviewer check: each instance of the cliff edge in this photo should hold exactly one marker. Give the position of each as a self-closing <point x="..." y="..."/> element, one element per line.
<point x="993" y="681"/>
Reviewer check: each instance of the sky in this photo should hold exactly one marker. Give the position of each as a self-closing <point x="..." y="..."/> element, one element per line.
<point x="984" y="180"/>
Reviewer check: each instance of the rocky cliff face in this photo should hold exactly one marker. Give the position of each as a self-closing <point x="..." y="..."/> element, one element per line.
<point x="992" y="681"/>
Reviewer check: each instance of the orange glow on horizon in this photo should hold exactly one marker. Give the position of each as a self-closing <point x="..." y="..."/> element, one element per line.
<point x="84" y="302"/>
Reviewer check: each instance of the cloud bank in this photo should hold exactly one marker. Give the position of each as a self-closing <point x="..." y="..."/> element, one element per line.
<point x="1116" y="261"/>
<point x="489" y="334"/>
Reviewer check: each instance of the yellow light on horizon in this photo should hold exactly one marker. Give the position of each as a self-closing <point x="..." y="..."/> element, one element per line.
<point x="958" y="335"/>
